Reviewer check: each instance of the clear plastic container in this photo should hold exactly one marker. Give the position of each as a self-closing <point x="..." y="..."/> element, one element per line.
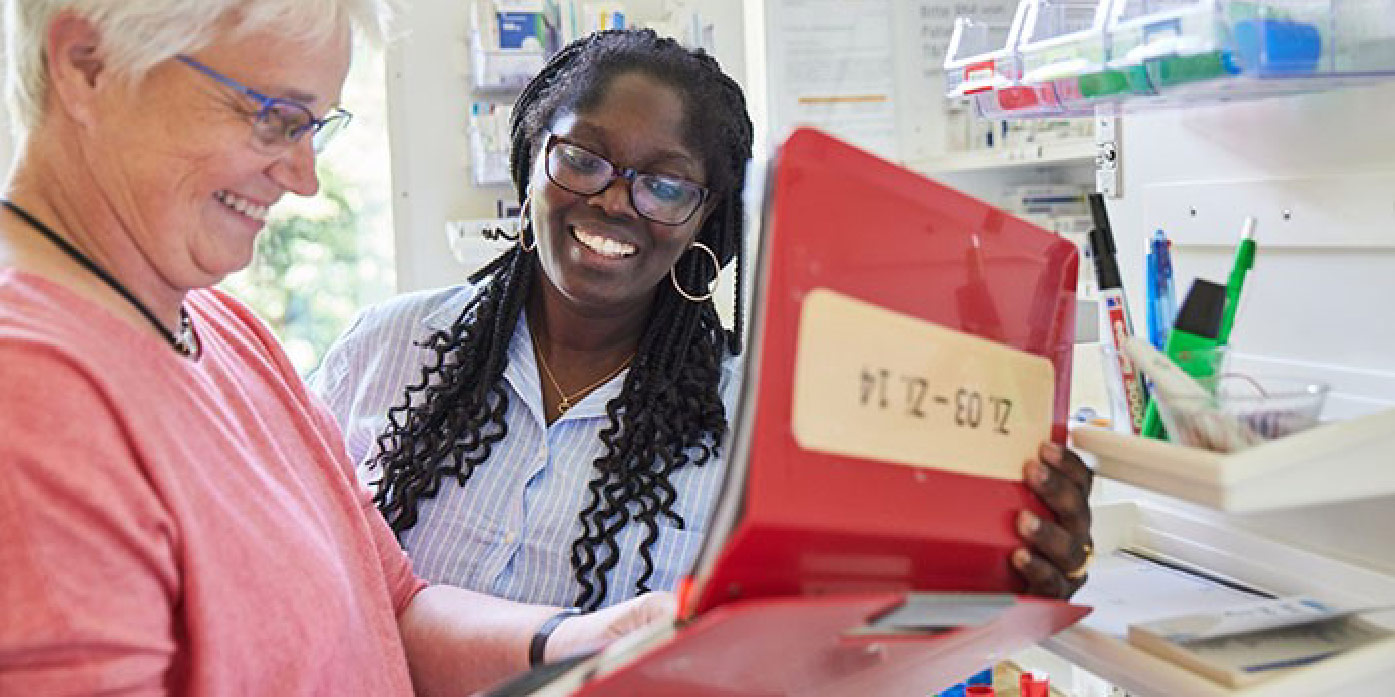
<point x="489" y="143"/>
<point x="1065" y="45"/>
<point x="1244" y="412"/>
<point x="1364" y="32"/>
<point x="1157" y="44"/>
<point x="503" y="69"/>
<point x="489" y="166"/>
<point x="1228" y="49"/>
<point x="983" y="66"/>
<point x="1063" y="57"/>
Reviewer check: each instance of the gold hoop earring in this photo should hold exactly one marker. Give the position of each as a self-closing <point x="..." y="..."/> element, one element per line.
<point x="523" y="227"/>
<point x="716" y="277"/>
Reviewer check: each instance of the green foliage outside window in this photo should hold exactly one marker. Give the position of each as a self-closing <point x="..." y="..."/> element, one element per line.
<point x="322" y="259"/>
<point x="311" y="272"/>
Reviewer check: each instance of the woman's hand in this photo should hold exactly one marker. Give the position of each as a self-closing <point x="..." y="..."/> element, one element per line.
<point x="594" y="630"/>
<point x="1057" y="553"/>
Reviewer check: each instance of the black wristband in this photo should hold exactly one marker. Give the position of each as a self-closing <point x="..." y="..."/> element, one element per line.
<point x="538" y="646"/>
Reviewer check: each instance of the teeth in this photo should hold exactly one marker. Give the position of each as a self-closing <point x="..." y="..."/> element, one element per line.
<point x="604" y="246"/>
<point x="242" y="205"/>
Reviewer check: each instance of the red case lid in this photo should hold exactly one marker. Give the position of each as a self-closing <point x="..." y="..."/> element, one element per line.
<point x="842" y="219"/>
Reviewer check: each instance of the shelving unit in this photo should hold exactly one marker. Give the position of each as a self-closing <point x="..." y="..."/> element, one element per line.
<point x="497" y="73"/>
<point x="472" y="244"/>
<point x="1341" y="461"/>
<point x="501" y="70"/>
<point x="1151" y="61"/>
<point x="1252" y="560"/>
<point x="1063" y="57"/>
<point x="1077" y="152"/>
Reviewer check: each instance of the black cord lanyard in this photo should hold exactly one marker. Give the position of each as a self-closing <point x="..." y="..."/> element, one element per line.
<point x="184" y="345"/>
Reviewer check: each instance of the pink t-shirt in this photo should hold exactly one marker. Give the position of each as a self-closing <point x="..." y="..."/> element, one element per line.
<point x="170" y="526"/>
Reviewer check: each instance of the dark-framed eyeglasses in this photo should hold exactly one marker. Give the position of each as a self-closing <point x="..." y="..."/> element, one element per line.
<point x="280" y="123"/>
<point x="661" y="198"/>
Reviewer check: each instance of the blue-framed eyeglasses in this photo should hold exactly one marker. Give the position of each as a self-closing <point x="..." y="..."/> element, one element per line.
<point x="280" y="123"/>
<point x="657" y="197"/>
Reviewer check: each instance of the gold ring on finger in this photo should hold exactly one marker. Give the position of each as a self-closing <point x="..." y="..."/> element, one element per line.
<point x="1080" y="571"/>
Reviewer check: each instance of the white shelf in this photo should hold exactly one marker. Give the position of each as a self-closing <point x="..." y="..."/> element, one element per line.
<point x="469" y="245"/>
<point x="1341" y="461"/>
<point x="1074" y="152"/>
<point x="1238" y="555"/>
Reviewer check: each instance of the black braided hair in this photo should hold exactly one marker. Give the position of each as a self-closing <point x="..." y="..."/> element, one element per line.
<point x="669" y="414"/>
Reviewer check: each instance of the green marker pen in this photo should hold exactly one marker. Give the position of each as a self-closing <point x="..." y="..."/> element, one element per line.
<point x="1192" y="343"/>
<point x="1244" y="261"/>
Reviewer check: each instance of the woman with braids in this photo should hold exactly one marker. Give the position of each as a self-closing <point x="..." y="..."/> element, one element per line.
<point x="557" y="438"/>
<point x="549" y="432"/>
<point x="177" y="512"/>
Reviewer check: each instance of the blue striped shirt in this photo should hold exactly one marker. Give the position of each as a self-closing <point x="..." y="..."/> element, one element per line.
<point x="509" y="530"/>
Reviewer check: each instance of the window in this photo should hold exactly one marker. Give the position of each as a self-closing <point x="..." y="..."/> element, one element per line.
<point x="321" y="259"/>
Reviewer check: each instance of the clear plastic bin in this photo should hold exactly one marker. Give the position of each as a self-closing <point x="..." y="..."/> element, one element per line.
<point x="1160" y="44"/>
<point x="1062" y="57"/>
<point x="1365" y="37"/>
<point x="489" y="166"/>
<point x="1244" y="412"/>
<point x="1230" y="49"/>
<point x="502" y="69"/>
<point x="1065" y="45"/>
<point x="983" y="66"/>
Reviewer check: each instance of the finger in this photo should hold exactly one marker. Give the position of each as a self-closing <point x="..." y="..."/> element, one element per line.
<point x="1051" y="542"/>
<point x="660" y="606"/>
<point x="1062" y="495"/>
<point x="1042" y="577"/>
<point x="1068" y="463"/>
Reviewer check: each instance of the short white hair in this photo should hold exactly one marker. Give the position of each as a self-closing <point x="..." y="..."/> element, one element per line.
<point x="138" y="34"/>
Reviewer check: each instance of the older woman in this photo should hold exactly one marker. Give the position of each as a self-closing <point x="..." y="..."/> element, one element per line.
<point x="551" y="431"/>
<point x="178" y="513"/>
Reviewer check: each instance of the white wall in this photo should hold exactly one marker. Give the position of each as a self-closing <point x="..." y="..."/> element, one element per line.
<point x="429" y="95"/>
<point x="428" y="100"/>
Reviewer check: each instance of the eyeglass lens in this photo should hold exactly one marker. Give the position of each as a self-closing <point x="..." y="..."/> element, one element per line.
<point x="284" y="123"/>
<point x="660" y="198"/>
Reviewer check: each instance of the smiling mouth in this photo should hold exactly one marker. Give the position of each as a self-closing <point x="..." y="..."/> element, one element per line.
<point x="255" y="211"/>
<point x="604" y="246"/>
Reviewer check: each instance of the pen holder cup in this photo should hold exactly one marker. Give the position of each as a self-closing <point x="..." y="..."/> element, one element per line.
<point x="1245" y="411"/>
<point x="1205" y="365"/>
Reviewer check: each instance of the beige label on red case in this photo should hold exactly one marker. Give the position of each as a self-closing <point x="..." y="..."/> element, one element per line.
<point x="880" y="385"/>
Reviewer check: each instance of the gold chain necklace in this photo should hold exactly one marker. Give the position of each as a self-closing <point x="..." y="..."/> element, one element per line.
<point x="567" y="400"/>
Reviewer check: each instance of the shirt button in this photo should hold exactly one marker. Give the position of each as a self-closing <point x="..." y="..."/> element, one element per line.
<point x="509" y="537"/>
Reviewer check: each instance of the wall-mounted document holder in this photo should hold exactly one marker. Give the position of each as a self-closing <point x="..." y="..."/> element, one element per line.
<point x="489" y="160"/>
<point x="489" y="143"/>
<point x="1340" y="461"/>
<point x="1141" y="54"/>
<point x="502" y="69"/>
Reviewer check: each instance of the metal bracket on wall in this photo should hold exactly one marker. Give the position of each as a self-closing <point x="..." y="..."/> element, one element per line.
<point x="1107" y="156"/>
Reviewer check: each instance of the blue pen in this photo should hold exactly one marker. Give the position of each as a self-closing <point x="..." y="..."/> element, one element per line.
<point x="1162" y="303"/>
<point x="1153" y="286"/>
<point x="1150" y="285"/>
<point x="1166" y="293"/>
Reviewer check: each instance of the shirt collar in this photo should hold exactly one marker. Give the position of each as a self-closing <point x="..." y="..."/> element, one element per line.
<point x="448" y="311"/>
